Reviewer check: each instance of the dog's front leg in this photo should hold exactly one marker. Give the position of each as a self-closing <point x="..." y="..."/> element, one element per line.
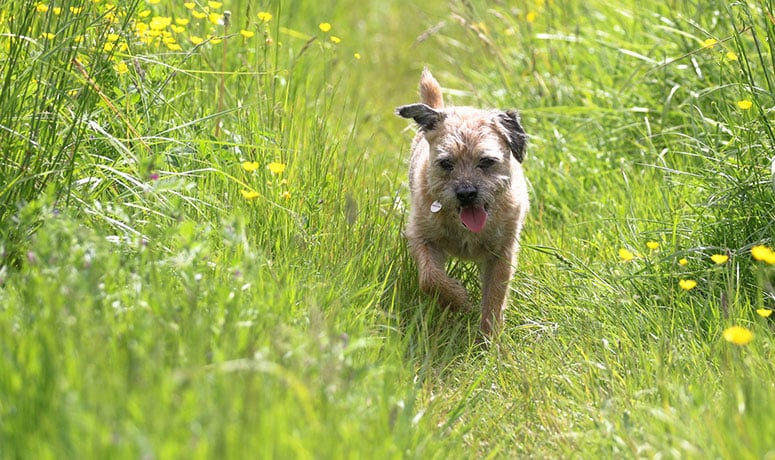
<point x="496" y="275"/>
<point x="434" y="280"/>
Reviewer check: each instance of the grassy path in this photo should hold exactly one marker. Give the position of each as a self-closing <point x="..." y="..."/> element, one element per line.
<point x="200" y="232"/>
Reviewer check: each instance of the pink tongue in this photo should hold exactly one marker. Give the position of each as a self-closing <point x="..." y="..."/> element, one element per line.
<point x="474" y="218"/>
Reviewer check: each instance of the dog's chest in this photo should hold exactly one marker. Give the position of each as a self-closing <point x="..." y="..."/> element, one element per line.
<point x="460" y="242"/>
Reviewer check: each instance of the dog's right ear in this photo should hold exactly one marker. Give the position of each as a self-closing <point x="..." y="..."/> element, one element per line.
<point x="424" y="115"/>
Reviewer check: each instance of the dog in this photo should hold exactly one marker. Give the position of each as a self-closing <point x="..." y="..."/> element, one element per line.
<point x="469" y="198"/>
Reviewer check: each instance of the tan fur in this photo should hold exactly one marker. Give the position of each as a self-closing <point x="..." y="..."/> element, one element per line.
<point x="430" y="90"/>
<point x="462" y="136"/>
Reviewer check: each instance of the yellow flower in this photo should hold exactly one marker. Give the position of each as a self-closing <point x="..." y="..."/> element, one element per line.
<point x="335" y="39"/>
<point x="78" y="39"/>
<point x="215" y="18"/>
<point x="763" y="254"/>
<point x="177" y="29"/>
<point x="121" y="67"/>
<point x="719" y="258"/>
<point x="48" y="35"/>
<point x="626" y="255"/>
<point x="683" y="261"/>
<point x="182" y="21"/>
<point x="250" y="194"/>
<point x="247" y="33"/>
<point x="286" y="194"/>
<point x="214" y="5"/>
<point x="652" y="245"/>
<point x="263" y="16"/>
<point x="57" y="11"/>
<point x="324" y="26"/>
<point x="357" y="56"/>
<point x="687" y="285"/>
<point x="276" y="168"/>
<point x="174" y="46"/>
<point x="745" y="104"/>
<point x="199" y="14"/>
<point x="732" y="56"/>
<point x="160" y="22"/>
<point x="144" y="14"/>
<point x="154" y="2"/>
<point x="189" y="5"/>
<point x="213" y="39"/>
<point x="764" y="312"/>
<point x="41" y="7"/>
<point x="113" y="37"/>
<point x="108" y="47"/>
<point x="76" y="9"/>
<point x="196" y="40"/>
<point x="738" y="335"/>
<point x="249" y="166"/>
<point x="531" y="17"/>
<point x="709" y="43"/>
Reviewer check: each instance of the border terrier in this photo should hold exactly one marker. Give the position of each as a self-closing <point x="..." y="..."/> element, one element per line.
<point x="469" y="198"/>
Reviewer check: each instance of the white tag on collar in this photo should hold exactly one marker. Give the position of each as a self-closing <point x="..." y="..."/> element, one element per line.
<point x="436" y="206"/>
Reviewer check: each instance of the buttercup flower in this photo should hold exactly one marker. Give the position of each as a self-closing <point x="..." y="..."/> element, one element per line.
<point x="709" y="43"/>
<point x="763" y="254"/>
<point x="121" y="67"/>
<point x="683" y="261"/>
<point x="276" y="168"/>
<point x="250" y="194"/>
<point x="652" y="245"/>
<point x="357" y="56"/>
<point x="738" y="335"/>
<point x="732" y="56"/>
<point x="335" y="39"/>
<point x="249" y="166"/>
<point x="263" y="16"/>
<point x="719" y="258"/>
<point x="325" y="27"/>
<point x="687" y="285"/>
<point x="247" y="33"/>
<point x="764" y="312"/>
<point x="531" y="17"/>
<point x="745" y="104"/>
<point x="626" y="255"/>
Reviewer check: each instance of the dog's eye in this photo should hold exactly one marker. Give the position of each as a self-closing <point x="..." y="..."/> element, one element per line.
<point x="485" y="163"/>
<point x="446" y="165"/>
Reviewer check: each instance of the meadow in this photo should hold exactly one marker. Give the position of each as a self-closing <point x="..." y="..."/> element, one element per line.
<point x="201" y="213"/>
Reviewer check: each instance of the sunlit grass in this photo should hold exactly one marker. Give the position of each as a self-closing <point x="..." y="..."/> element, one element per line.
<point x="201" y="207"/>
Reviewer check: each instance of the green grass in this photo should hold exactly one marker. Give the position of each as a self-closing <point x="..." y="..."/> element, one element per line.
<point x="149" y="309"/>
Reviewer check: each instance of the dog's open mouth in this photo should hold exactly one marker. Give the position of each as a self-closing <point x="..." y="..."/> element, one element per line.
<point x="473" y="217"/>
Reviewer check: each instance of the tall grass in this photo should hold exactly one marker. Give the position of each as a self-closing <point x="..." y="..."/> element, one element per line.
<point x="201" y="231"/>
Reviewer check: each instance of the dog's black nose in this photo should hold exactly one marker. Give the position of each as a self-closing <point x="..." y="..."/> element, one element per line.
<point x="466" y="194"/>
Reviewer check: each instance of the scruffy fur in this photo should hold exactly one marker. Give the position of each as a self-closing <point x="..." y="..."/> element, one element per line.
<point x="465" y="158"/>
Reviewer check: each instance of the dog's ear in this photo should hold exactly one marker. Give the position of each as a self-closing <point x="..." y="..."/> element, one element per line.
<point x="424" y="115"/>
<point x="515" y="135"/>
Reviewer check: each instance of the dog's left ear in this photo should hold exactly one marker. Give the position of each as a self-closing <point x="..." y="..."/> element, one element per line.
<point x="512" y="131"/>
<point x="424" y="115"/>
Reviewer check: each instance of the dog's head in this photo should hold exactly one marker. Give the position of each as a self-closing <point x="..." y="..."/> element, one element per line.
<point x="472" y="156"/>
